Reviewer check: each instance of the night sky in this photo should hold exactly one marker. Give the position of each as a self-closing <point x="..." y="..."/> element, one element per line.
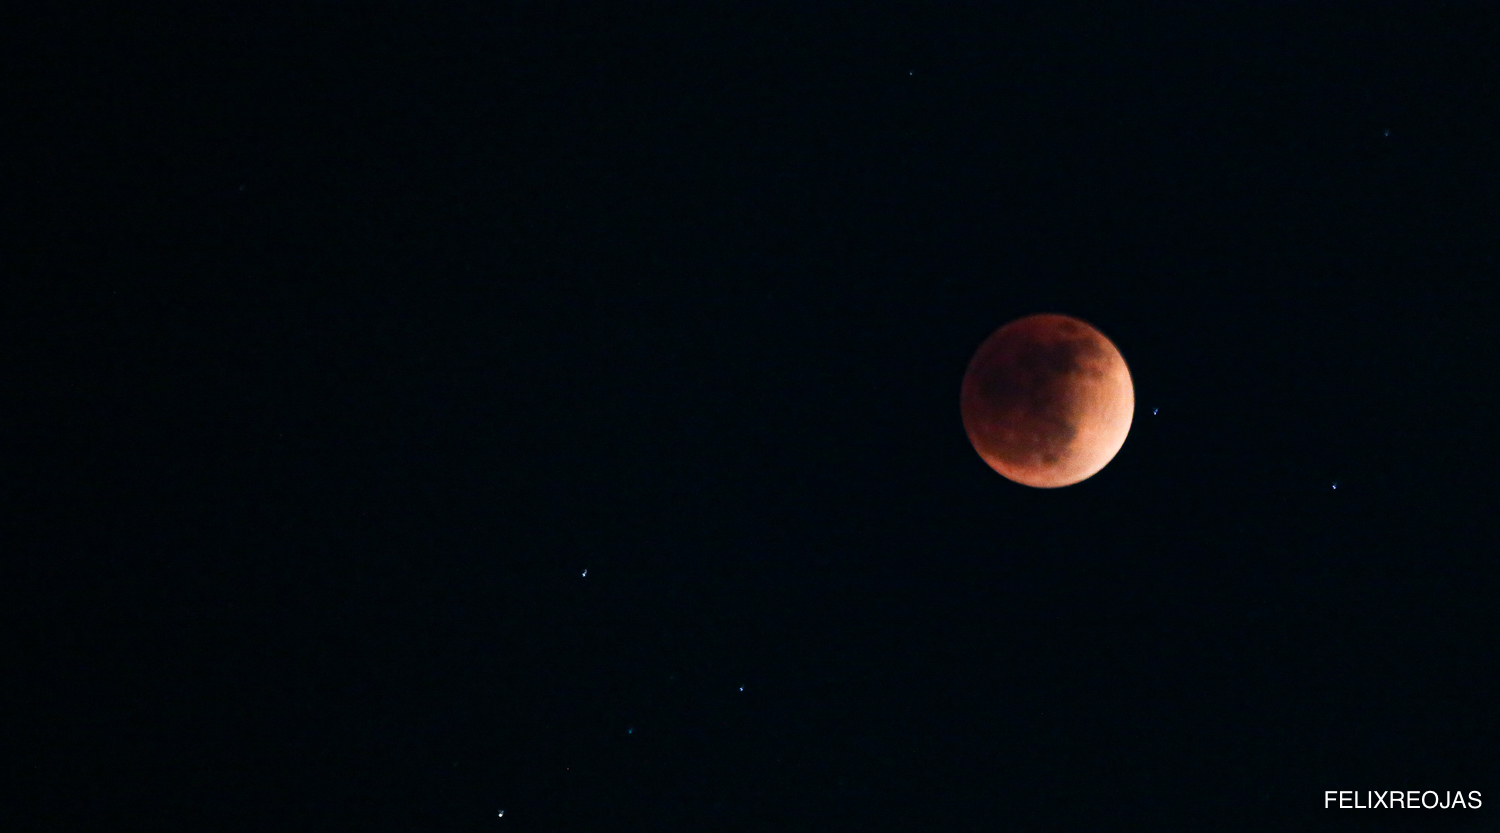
<point x="414" y="411"/>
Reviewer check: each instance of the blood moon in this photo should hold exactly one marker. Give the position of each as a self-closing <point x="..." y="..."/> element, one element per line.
<point x="1047" y="401"/>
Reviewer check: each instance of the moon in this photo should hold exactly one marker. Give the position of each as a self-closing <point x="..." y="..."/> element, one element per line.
<point x="1047" y="401"/>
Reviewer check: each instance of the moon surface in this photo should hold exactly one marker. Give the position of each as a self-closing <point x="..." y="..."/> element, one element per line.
<point x="1047" y="401"/>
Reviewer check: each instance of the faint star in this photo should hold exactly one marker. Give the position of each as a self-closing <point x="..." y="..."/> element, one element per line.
<point x="585" y="572"/>
<point x="1153" y="412"/>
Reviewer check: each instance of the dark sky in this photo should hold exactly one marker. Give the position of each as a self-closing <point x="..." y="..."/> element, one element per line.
<point x="340" y="341"/>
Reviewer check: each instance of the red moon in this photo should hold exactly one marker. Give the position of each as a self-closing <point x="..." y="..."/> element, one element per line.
<point x="1047" y="401"/>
